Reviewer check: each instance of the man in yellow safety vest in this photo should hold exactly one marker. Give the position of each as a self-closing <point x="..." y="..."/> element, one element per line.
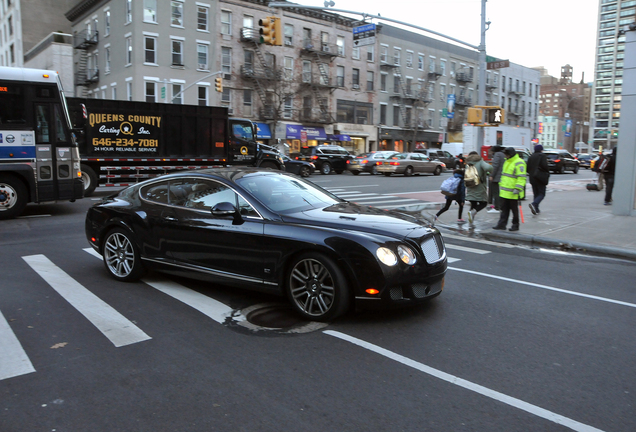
<point x="511" y="189"/>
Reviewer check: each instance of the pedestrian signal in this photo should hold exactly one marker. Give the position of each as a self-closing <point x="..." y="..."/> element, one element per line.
<point x="495" y="115"/>
<point x="218" y="84"/>
<point x="474" y="115"/>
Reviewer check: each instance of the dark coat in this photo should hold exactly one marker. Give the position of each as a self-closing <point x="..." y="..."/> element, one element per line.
<point x="537" y="161"/>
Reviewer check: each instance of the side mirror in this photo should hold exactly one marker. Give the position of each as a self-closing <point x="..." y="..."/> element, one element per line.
<point x="224" y="209"/>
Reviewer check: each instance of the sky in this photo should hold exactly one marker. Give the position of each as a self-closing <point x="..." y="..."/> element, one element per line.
<point x="548" y="33"/>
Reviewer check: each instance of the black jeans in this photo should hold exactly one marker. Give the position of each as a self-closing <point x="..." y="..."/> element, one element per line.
<point x="449" y="201"/>
<point x="507" y="206"/>
<point x="609" y="186"/>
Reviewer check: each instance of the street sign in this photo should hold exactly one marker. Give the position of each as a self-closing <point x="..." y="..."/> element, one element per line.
<point x="303" y="136"/>
<point x="163" y="92"/>
<point x="499" y="64"/>
<point x="450" y="106"/>
<point x="364" y="35"/>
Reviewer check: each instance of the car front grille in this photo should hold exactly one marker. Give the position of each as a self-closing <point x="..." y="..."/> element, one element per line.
<point x="433" y="248"/>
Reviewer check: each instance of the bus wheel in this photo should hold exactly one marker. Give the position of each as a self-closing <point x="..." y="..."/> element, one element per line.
<point x="13" y="197"/>
<point x="90" y="180"/>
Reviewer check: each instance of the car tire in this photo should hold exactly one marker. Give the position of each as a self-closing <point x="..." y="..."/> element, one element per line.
<point x="356" y="172"/>
<point x="458" y="165"/>
<point x="562" y="169"/>
<point x="13" y="196"/>
<point x="374" y="170"/>
<point x="304" y="171"/>
<point x="121" y="256"/>
<point x="89" y="178"/>
<point x="325" y="169"/>
<point x="317" y="288"/>
<point x="438" y="170"/>
<point x="408" y="172"/>
<point x="576" y="169"/>
<point x="271" y="165"/>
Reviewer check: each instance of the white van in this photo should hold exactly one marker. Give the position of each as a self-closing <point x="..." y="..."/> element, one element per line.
<point x="454" y="148"/>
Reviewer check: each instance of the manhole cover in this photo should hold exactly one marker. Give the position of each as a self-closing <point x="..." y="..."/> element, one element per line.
<point x="277" y="317"/>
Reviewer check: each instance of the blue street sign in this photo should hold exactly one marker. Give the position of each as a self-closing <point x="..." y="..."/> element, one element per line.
<point x="450" y="105"/>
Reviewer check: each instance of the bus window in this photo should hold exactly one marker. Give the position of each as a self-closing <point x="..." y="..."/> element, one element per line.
<point x="42" y="129"/>
<point x="12" y="105"/>
<point x="60" y="130"/>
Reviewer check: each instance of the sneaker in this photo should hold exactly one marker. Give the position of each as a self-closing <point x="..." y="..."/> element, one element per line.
<point x="514" y="228"/>
<point x="493" y="210"/>
<point x="499" y="227"/>
<point x="461" y="221"/>
<point x="434" y="220"/>
<point x="471" y="216"/>
<point x="608" y="203"/>
<point x="533" y="209"/>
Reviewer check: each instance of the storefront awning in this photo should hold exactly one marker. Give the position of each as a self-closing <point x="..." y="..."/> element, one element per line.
<point x="313" y="133"/>
<point x="338" y="137"/>
<point x="263" y="131"/>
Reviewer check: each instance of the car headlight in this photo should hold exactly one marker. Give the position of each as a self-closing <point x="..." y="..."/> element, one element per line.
<point x="386" y="256"/>
<point x="406" y="255"/>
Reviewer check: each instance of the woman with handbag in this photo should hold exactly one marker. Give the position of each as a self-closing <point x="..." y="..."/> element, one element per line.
<point x="539" y="174"/>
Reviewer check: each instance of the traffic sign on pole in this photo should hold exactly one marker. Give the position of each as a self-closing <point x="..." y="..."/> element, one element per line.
<point x="364" y="35"/>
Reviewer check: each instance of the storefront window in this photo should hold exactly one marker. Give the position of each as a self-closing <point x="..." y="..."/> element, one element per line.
<point x="354" y="112"/>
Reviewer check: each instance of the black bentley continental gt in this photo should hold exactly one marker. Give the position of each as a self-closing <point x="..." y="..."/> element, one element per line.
<point x="270" y="231"/>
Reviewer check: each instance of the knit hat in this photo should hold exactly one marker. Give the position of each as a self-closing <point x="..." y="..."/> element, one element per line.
<point x="509" y="151"/>
<point x="538" y="148"/>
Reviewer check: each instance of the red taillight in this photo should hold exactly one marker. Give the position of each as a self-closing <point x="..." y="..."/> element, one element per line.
<point x="348" y="162"/>
<point x="296" y="157"/>
<point x="314" y="157"/>
<point x="557" y="160"/>
<point x="378" y="163"/>
<point x="365" y="161"/>
<point x="394" y="163"/>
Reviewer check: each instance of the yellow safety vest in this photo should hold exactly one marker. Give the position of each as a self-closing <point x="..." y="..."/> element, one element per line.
<point x="513" y="178"/>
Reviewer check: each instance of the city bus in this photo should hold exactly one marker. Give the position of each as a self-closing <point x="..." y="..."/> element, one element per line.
<point x="39" y="158"/>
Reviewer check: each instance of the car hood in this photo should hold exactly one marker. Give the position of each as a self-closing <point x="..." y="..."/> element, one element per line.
<point x="349" y="216"/>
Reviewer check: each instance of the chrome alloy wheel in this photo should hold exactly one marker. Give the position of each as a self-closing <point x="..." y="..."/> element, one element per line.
<point x="312" y="287"/>
<point x="119" y="255"/>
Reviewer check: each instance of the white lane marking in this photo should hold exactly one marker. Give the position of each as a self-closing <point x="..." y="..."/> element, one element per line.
<point x="331" y="189"/>
<point x="401" y="200"/>
<point x="418" y="191"/>
<point x="13" y="359"/>
<point x="467" y="249"/>
<point x="350" y="194"/>
<point x="204" y="304"/>
<point x="546" y="287"/>
<point x="484" y="391"/>
<point x="480" y="241"/>
<point x="111" y="323"/>
<point x="452" y="260"/>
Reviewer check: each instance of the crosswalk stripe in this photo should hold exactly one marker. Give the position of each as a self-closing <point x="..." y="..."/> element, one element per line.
<point x="207" y="306"/>
<point x="13" y="359"/>
<point x="452" y="260"/>
<point x="467" y="249"/>
<point x="111" y="323"/>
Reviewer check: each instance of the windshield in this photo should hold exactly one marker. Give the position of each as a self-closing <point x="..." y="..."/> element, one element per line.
<point x="242" y="130"/>
<point x="285" y="194"/>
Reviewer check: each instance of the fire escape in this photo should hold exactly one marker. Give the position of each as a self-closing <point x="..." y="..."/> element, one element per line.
<point x="321" y="55"/>
<point x="462" y="101"/>
<point x="85" y="74"/>
<point x="260" y="76"/>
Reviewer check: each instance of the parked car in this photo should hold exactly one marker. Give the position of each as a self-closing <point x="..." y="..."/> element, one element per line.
<point x="302" y="168"/>
<point x="269" y="231"/>
<point x="560" y="161"/>
<point x="409" y="164"/>
<point x="585" y="160"/>
<point x="368" y="162"/>
<point x="450" y="161"/>
<point x="326" y="157"/>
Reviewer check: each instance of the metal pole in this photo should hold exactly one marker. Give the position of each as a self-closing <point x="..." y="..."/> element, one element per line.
<point x="481" y="92"/>
<point x="194" y="83"/>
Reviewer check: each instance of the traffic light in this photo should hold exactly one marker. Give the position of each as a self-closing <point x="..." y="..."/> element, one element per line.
<point x="218" y="84"/>
<point x="474" y="115"/>
<point x="494" y="115"/>
<point x="271" y="31"/>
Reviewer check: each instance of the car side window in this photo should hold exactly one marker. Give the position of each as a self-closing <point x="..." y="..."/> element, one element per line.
<point x="205" y="194"/>
<point x="156" y="192"/>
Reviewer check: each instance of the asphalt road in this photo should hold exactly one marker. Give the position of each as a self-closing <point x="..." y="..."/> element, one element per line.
<point x="520" y="339"/>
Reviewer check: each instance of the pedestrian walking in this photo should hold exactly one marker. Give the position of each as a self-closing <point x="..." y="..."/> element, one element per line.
<point x="511" y="189"/>
<point x="476" y="191"/>
<point x="498" y="160"/>
<point x="459" y="198"/>
<point x="539" y="176"/>
<point x="608" y="172"/>
<point x="596" y="168"/>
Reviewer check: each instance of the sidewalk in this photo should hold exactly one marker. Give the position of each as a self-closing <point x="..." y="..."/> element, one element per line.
<point x="571" y="219"/>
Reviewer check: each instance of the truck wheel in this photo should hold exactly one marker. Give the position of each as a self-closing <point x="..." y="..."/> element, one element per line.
<point x="13" y="197"/>
<point x="89" y="178"/>
<point x="271" y="165"/>
<point x="325" y="169"/>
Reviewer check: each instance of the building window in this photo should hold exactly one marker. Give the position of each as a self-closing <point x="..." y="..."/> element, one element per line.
<point x="396" y="115"/>
<point x="151" y="92"/>
<point x="340" y="73"/>
<point x="150" y="46"/>
<point x="202" y="18"/>
<point x="202" y="56"/>
<point x="289" y="68"/>
<point x="409" y="59"/>
<point x="355" y="53"/>
<point x="431" y="64"/>
<point x="355" y="78"/>
<point x="289" y="34"/>
<point x="340" y="44"/>
<point x="306" y="71"/>
<point x="129" y="50"/>
<point x="106" y="23"/>
<point x="177" y="13"/>
<point x="383" y="114"/>
<point x="442" y="67"/>
<point x="225" y="96"/>
<point x="107" y="60"/>
<point x="226" y="22"/>
<point x="396" y="83"/>
<point x="354" y="112"/>
<point x="384" y="53"/>
<point x="442" y="92"/>
<point x="177" y="96"/>
<point x="370" y="79"/>
<point x="128" y="11"/>
<point x="113" y="93"/>
<point x="177" y="52"/>
<point x="202" y="95"/>
<point x="226" y="60"/>
<point x="397" y="54"/>
<point x="420" y="62"/>
<point x="370" y="53"/>
<point x="247" y="103"/>
<point x="129" y="91"/>
<point x="383" y="82"/>
<point x="150" y="11"/>
<point x="287" y="107"/>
